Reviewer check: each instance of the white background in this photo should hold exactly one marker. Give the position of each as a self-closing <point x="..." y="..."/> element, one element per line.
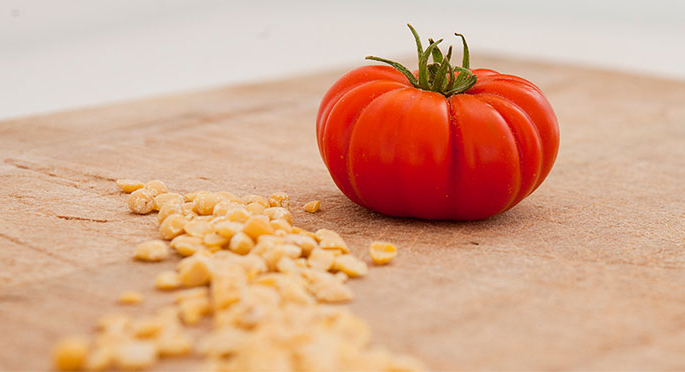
<point x="62" y="54"/>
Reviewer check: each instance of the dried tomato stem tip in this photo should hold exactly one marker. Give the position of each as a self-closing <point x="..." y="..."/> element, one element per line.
<point x="432" y="76"/>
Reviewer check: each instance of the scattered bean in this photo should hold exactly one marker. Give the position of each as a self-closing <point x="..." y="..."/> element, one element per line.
<point x="129" y="186"/>
<point x="312" y="206"/>
<point x="382" y="252"/>
<point x="141" y="201"/>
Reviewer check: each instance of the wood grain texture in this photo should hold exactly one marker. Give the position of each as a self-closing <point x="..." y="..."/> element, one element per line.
<point x="588" y="273"/>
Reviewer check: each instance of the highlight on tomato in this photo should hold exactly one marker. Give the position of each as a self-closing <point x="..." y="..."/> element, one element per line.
<point x="443" y="142"/>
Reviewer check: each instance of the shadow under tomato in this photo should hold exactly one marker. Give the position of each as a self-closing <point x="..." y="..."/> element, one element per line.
<point x="350" y="219"/>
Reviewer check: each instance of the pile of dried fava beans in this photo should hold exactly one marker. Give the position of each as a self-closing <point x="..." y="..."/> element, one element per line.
<point x="269" y="287"/>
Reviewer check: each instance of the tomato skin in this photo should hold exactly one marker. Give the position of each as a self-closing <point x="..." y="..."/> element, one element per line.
<point x="407" y="152"/>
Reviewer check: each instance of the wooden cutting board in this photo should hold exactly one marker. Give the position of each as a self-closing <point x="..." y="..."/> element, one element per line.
<point x="587" y="273"/>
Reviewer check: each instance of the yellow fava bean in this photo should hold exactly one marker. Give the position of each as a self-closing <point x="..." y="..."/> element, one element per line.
<point x="100" y="358"/>
<point x="130" y="298"/>
<point x="167" y="210"/>
<point x="350" y="265"/>
<point x="227" y="228"/>
<point x="203" y="203"/>
<point x="186" y="245"/>
<point x="275" y="213"/>
<point x="176" y="344"/>
<point x="172" y="226"/>
<point x="70" y="354"/>
<point x="151" y="251"/>
<point x="135" y="355"/>
<point x="147" y="327"/>
<point x="197" y="227"/>
<point x="313" y="206"/>
<point x="321" y="259"/>
<point x="256" y="199"/>
<point x="214" y="239"/>
<point x="279" y="199"/>
<point x="141" y="201"/>
<point x="192" y="311"/>
<point x="306" y="242"/>
<point x="382" y="252"/>
<point x="223" y="207"/>
<point x="241" y="243"/>
<point x="227" y="286"/>
<point x="190" y="294"/>
<point x="168" y="198"/>
<point x="332" y="291"/>
<point x="329" y="239"/>
<point x="167" y="280"/>
<point x="192" y="195"/>
<point x="129" y="186"/>
<point x="230" y="197"/>
<point x="255" y="208"/>
<point x="281" y="224"/>
<point x="156" y="187"/>
<point x="256" y="226"/>
<point x="187" y="208"/>
<point x="240" y="214"/>
<point x="194" y="271"/>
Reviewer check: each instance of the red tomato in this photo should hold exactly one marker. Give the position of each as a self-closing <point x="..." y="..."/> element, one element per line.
<point x="409" y="151"/>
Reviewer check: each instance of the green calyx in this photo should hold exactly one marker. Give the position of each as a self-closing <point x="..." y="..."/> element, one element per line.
<point x="438" y="76"/>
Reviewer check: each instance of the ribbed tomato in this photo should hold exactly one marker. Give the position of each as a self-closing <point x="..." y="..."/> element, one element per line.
<point x="452" y="143"/>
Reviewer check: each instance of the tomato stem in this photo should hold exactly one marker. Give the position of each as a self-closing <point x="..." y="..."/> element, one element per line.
<point x="465" y="47"/>
<point x="438" y="83"/>
<point x="438" y="76"/>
